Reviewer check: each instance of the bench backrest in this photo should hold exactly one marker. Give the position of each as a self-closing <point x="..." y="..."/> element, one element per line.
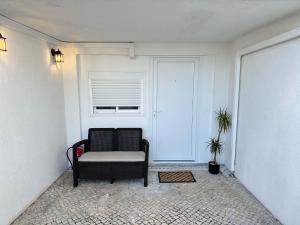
<point x="110" y="139"/>
<point x="101" y="139"/>
<point x="128" y="139"/>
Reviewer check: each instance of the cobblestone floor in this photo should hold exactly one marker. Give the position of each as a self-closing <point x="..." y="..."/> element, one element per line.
<point x="212" y="200"/>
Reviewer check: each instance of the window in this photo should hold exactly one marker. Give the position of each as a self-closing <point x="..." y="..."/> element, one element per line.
<point x="116" y="92"/>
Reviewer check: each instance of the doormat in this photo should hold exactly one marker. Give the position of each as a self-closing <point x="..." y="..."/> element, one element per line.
<point x="176" y="177"/>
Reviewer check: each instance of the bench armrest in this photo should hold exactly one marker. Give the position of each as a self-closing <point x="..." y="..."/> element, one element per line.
<point x="145" y="148"/>
<point x="76" y="145"/>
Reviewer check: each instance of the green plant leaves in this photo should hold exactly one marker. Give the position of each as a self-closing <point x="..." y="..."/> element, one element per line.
<point x="215" y="146"/>
<point x="224" y="120"/>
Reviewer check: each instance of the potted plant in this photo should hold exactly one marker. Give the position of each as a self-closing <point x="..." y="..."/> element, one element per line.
<point x="215" y="144"/>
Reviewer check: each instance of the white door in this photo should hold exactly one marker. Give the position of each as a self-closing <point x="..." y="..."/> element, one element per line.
<point x="175" y="82"/>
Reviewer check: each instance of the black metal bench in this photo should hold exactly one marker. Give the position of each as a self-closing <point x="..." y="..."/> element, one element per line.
<point x="112" y="154"/>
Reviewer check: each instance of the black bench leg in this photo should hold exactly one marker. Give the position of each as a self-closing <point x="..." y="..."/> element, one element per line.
<point x="75" y="174"/>
<point x="75" y="179"/>
<point x="146" y="175"/>
<point x="112" y="180"/>
<point x="75" y="183"/>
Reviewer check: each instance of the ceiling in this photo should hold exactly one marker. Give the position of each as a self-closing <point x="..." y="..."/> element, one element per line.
<point x="147" y="20"/>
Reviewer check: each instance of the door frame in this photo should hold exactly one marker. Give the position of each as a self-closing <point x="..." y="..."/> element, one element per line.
<point x="155" y="61"/>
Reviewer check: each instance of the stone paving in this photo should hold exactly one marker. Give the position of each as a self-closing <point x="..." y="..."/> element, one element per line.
<point x="212" y="200"/>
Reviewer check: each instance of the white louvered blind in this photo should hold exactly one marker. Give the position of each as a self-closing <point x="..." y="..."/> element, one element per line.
<point x="116" y="92"/>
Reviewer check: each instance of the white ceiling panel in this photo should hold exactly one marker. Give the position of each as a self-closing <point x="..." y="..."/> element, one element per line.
<point x="147" y="20"/>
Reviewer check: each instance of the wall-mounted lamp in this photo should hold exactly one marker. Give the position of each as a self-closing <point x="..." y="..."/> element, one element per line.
<point x="57" y="55"/>
<point x="2" y="43"/>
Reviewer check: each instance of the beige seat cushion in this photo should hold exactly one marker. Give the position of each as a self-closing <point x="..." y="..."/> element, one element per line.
<point x="113" y="156"/>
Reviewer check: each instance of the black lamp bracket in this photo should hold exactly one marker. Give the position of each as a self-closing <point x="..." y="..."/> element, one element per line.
<point x="53" y="51"/>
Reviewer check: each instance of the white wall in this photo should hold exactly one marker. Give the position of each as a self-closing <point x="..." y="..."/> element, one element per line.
<point x="213" y="71"/>
<point x="112" y="63"/>
<point x="277" y="27"/>
<point x="32" y="123"/>
<point x="267" y="144"/>
<point x="268" y="136"/>
<point x="266" y="32"/>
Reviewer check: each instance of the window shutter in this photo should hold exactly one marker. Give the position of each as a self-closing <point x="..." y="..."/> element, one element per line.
<point x="119" y="92"/>
<point x="116" y="92"/>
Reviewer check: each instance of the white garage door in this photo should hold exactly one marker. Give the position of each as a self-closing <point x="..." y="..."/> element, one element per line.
<point x="268" y="136"/>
